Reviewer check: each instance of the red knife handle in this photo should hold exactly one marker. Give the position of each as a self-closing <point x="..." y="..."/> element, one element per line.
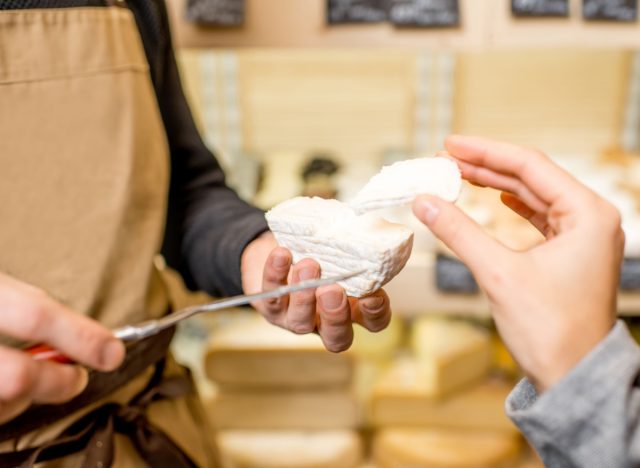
<point x="43" y="352"/>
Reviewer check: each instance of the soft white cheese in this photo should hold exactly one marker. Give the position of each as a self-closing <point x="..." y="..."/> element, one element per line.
<point x="401" y="182"/>
<point x="343" y="240"/>
<point x="329" y="232"/>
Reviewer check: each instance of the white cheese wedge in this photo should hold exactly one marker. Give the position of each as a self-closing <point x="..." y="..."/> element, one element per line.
<point x="451" y="354"/>
<point x="401" y="182"/>
<point x="402" y="397"/>
<point x="290" y="449"/>
<point x="253" y="354"/>
<point x="441" y="448"/>
<point x="329" y="232"/>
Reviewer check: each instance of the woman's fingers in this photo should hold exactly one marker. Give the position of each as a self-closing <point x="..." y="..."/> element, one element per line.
<point x="542" y="177"/>
<point x="479" y="251"/>
<point x="537" y="219"/>
<point x="483" y="177"/>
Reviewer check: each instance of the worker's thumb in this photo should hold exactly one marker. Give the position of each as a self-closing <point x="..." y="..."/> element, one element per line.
<point x="460" y="233"/>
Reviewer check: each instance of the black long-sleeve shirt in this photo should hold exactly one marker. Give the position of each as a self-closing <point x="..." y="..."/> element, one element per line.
<point x="208" y="225"/>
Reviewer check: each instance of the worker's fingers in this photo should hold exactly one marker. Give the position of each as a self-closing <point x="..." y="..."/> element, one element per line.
<point x="275" y="274"/>
<point x="30" y="314"/>
<point x="483" y="177"/>
<point x="373" y="312"/>
<point x="301" y="315"/>
<point x="461" y="234"/>
<point x="24" y="379"/>
<point x="538" y="173"/>
<point x="334" y="318"/>
<point x="537" y="219"/>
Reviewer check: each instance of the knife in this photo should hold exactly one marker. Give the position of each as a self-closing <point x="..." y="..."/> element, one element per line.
<point x="142" y="330"/>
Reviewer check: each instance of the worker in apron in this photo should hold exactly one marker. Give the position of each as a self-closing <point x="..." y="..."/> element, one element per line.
<point x="101" y="168"/>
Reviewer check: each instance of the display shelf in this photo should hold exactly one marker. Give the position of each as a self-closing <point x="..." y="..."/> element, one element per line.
<point x="485" y="24"/>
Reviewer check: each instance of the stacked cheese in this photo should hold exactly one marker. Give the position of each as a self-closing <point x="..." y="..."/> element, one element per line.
<point x="438" y="408"/>
<point x="281" y="399"/>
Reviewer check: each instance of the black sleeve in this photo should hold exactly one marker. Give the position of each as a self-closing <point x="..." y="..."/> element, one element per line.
<point x="208" y="225"/>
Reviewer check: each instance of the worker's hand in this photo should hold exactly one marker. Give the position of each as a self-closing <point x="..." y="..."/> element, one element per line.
<point x="326" y="310"/>
<point x="27" y="313"/>
<point x="555" y="302"/>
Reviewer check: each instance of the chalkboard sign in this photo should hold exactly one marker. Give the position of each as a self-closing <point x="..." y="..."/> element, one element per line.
<point x="453" y="276"/>
<point x="425" y="13"/>
<point x="630" y="275"/>
<point x="610" y="10"/>
<point x="540" y="8"/>
<point x="356" y="11"/>
<point x="216" y="12"/>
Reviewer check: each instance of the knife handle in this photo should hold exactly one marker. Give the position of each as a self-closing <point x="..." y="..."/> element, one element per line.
<point x="44" y="352"/>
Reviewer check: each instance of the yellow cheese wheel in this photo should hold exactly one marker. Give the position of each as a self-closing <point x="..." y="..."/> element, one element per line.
<point x="289" y="449"/>
<point x="441" y="448"/>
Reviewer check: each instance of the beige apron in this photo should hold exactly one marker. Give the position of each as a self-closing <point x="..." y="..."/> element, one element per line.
<point x="84" y="181"/>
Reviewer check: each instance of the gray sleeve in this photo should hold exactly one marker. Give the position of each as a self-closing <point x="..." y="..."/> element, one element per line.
<point x="590" y="418"/>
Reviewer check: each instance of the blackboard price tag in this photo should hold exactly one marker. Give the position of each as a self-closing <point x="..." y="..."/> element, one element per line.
<point x="453" y="276"/>
<point x="630" y="275"/>
<point x="425" y="13"/>
<point x="216" y="12"/>
<point x="610" y="10"/>
<point x="356" y="11"/>
<point x="540" y="8"/>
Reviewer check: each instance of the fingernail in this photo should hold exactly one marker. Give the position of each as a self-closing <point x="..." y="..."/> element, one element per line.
<point x="83" y="380"/>
<point x="280" y="261"/>
<point x="331" y="300"/>
<point x="112" y="354"/>
<point x="373" y="303"/>
<point x="307" y="273"/>
<point x="430" y="211"/>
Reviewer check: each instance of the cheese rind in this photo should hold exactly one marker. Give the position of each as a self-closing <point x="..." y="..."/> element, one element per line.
<point x="329" y="232"/>
<point x="253" y="354"/>
<point x="401" y="182"/>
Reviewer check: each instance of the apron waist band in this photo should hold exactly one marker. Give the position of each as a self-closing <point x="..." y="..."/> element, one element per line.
<point x="140" y="356"/>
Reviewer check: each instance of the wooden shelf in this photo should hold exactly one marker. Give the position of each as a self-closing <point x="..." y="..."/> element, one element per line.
<point x="486" y="24"/>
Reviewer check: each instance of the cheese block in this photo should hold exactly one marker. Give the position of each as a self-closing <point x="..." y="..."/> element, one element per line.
<point x="289" y="449"/>
<point x="401" y="182"/>
<point x="451" y="354"/>
<point x="253" y="354"/>
<point x="402" y="398"/>
<point x="329" y="409"/>
<point x="443" y="448"/>
<point x="330" y="232"/>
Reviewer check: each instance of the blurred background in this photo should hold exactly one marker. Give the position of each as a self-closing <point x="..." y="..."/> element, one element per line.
<point x="313" y="97"/>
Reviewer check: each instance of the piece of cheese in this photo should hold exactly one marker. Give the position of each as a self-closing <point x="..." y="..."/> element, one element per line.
<point x="329" y="409"/>
<point x="289" y="449"/>
<point x="401" y="182"/>
<point x="253" y="354"/>
<point x="402" y="398"/>
<point x="451" y="354"/>
<point x="442" y="448"/>
<point x="329" y="232"/>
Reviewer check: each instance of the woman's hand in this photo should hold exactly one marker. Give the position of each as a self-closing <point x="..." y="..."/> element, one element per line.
<point x="27" y="313"/>
<point x="326" y="310"/>
<point x="555" y="302"/>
